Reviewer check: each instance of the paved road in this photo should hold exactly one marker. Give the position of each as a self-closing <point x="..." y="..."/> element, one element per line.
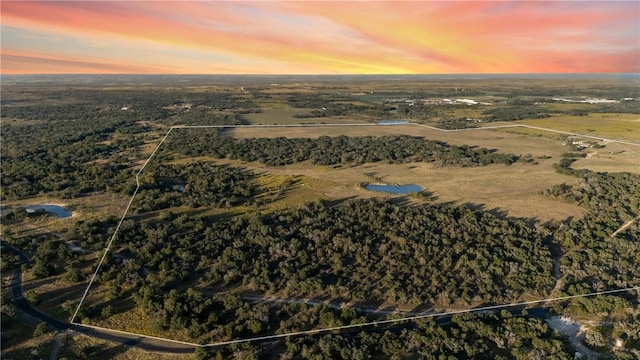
<point x="18" y="297"/>
<point x="170" y="346"/>
<point x="139" y="341"/>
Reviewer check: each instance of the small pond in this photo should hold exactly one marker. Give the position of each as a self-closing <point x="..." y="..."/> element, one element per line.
<point x="56" y="210"/>
<point x="393" y="122"/>
<point x="394" y="189"/>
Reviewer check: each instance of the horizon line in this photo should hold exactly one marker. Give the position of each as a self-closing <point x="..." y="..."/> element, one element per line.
<point x="319" y="74"/>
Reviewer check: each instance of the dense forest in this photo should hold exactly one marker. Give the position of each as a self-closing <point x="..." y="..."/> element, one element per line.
<point x="325" y="150"/>
<point x="611" y="199"/>
<point x="358" y="250"/>
<point x="64" y="153"/>
<point x="74" y="142"/>
<point x="194" y="185"/>
<point x="491" y="336"/>
<point x="371" y="252"/>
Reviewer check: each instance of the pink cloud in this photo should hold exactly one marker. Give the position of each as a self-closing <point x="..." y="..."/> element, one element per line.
<point x="353" y="37"/>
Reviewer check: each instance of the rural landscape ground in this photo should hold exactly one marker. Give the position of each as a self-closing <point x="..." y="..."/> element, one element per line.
<point x="187" y="216"/>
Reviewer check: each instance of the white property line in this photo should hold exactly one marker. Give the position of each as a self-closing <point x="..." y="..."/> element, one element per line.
<point x="115" y="233"/>
<point x="372" y="323"/>
<point x="275" y="125"/>
<point x="421" y="316"/>
<point x="529" y="127"/>
<point x="103" y="329"/>
<point x="417" y="317"/>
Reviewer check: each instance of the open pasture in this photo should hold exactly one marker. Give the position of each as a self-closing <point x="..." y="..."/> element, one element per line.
<point x="615" y="126"/>
<point x="614" y="157"/>
<point x="513" y="143"/>
<point x="516" y="190"/>
<point x="539" y="143"/>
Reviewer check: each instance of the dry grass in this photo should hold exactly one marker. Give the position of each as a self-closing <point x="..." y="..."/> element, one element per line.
<point x="614" y="157"/>
<point x="474" y="112"/>
<point x="96" y="206"/>
<point x="519" y="141"/>
<point x="505" y="142"/>
<point x="532" y="132"/>
<point x="21" y="344"/>
<point x="79" y="343"/>
<point x="136" y="321"/>
<point x="54" y="292"/>
<point x="516" y="189"/>
<point x="280" y="115"/>
<point x="615" y="126"/>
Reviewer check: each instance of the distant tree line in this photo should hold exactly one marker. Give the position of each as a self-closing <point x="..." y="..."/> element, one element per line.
<point x="455" y="123"/>
<point x="76" y="141"/>
<point x="422" y="112"/>
<point x="333" y="110"/>
<point x="329" y="105"/>
<point x="510" y="113"/>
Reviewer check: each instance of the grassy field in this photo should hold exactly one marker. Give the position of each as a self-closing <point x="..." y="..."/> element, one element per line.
<point x="615" y="126"/>
<point x="614" y="157"/>
<point x="285" y="115"/>
<point x="515" y="190"/>
<point x="514" y="143"/>
<point x="57" y="297"/>
<point x="96" y="206"/>
<point x="520" y="141"/>
<point x="530" y="132"/>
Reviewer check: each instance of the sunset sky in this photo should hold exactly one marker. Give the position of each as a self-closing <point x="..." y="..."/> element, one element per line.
<point x="320" y="37"/>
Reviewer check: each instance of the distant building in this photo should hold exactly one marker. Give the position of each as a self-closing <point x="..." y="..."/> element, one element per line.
<point x="466" y="101"/>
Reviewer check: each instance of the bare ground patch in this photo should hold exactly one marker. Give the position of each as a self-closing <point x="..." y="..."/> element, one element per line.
<point x="614" y="157"/>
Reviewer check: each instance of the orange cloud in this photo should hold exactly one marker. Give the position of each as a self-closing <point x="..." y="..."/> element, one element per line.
<point x="38" y="63"/>
<point x="335" y="37"/>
